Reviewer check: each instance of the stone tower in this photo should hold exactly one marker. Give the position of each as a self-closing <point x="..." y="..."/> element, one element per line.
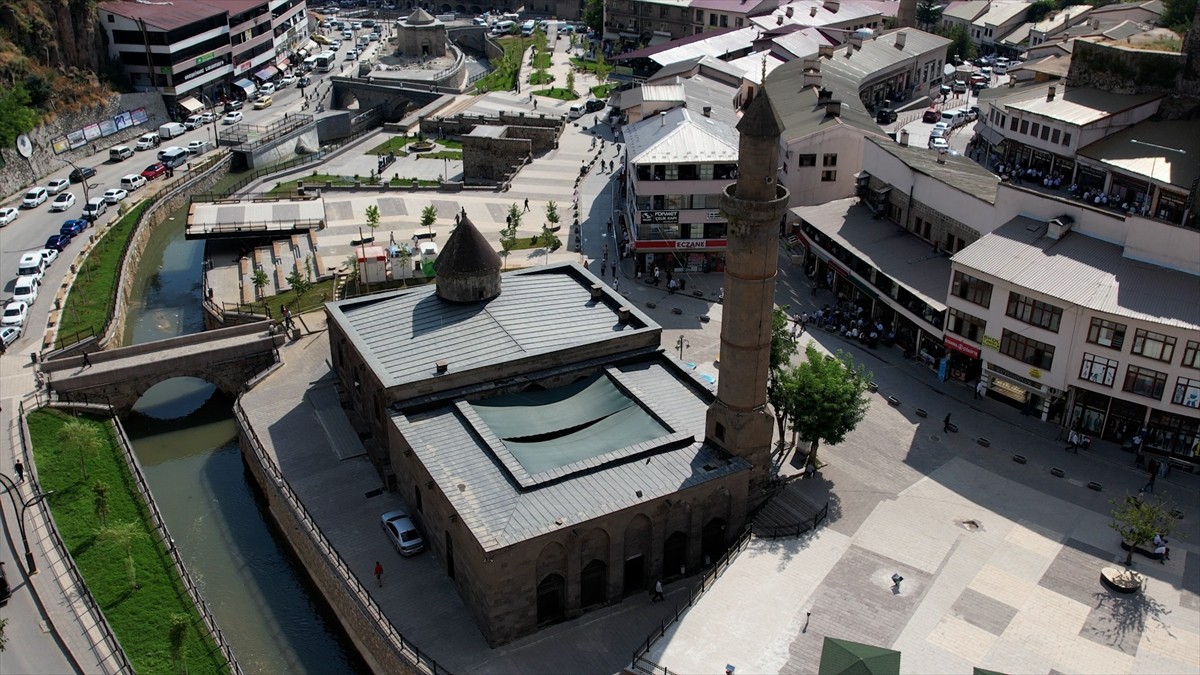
<point x="738" y="420"/>
<point x="468" y="269"/>
<point x="906" y="14"/>
<point x="421" y="35"/>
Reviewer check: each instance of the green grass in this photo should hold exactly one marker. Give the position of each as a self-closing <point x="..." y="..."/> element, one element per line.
<point x="540" y="77"/>
<point x="559" y="93"/>
<point x="320" y="293"/>
<point x="504" y="76"/>
<point x="451" y="144"/>
<point x="444" y="154"/>
<point x="542" y="59"/>
<point x="394" y="144"/>
<point x="141" y="617"/>
<point x="601" y="91"/>
<point x="89" y="304"/>
<point x="584" y="64"/>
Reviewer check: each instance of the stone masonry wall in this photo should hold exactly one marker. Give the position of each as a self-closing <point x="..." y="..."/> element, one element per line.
<point x="1133" y="71"/>
<point x="19" y="173"/>
<point x="543" y="139"/>
<point x="492" y="160"/>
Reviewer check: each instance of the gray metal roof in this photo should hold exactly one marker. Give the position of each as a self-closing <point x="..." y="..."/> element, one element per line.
<point x="1168" y="150"/>
<point x="718" y="45"/>
<point x="484" y="492"/>
<point x="958" y="172"/>
<point x="1079" y="106"/>
<point x="680" y="135"/>
<point x="802" y="117"/>
<point x="402" y="335"/>
<point x="899" y="254"/>
<point x="1081" y="270"/>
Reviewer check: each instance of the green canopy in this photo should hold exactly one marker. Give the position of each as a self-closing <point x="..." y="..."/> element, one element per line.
<point x="854" y="658"/>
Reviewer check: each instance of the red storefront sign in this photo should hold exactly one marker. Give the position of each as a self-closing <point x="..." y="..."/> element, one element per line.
<point x="680" y="244"/>
<point x="960" y="346"/>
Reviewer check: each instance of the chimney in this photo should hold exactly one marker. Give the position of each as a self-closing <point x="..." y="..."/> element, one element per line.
<point x="849" y="49"/>
<point x="832" y="5"/>
<point x="623" y="314"/>
<point x="856" y="40"/>
<point x="1050" y="93"/>
<point x="941" y="157"/>
<point x="824" y="50"/>
<point x="442" y="366"/>
<point x="901" y="37"/>
<point x="903" y="138"/>
<point x="833" y="108"/>
<point x="662" y="119"/>
<point x="824" y="95"/>
<point x="812" y="64"/>
<point x="812" y="11"/>
<point x="1059" y="227"/>
<point x="812" y="78"/>
<point x="788" y="12"/>
<point x="707" y="111"/>
<point x="778" y="20"/>
<point x="597" y="292"/>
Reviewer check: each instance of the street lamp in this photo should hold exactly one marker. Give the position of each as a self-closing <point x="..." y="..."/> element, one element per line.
<point x="680" y="344"/>
<point x="1153" y="166"/>
<point x="82" y="181"/>
<point x="11" y="488"/>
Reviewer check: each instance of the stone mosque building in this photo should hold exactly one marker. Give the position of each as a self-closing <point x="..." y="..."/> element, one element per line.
<point x="554" y="456"/>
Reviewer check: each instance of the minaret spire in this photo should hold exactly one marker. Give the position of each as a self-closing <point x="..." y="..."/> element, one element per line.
<point x="738" y="420"/>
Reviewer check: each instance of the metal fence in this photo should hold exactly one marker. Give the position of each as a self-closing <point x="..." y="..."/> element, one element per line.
<point x="639" y="662"/>
<point x="160" y="525"/>
<point x="794" y="530"/>
<point x="365" y="604"/>
<point x="117" y="662"/>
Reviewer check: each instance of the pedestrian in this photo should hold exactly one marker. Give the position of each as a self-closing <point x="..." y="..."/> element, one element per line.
<point x="1140" y="497"/>
<point x="534" y="103"/>
<point x="19" y="469"/>
<point x="1153" y="476"/>
<point x="614" y="270"/>
<point x="980" y="388"/>
<point x="946" y="424"/>
<point x="616" y="283"/>
<point x="658" y="592"/>
<point x="526" y="203"/>
<point x="379" y="573"/>
<point x="87" y="361"/>
<point x="508" y="219"/>
<point x="814" y="291"/>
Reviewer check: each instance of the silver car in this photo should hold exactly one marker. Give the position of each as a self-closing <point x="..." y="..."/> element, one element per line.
<point x="402" y="533"/>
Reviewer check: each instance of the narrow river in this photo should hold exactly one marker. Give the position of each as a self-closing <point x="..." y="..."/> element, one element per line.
<point x="185" y="437"/>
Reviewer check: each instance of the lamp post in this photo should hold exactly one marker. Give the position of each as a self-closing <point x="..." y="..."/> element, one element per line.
<point x="1153" y="166"/>
<point x="680" y="344"/>
<point x="82" y="181"/>
<point x="11" y="488"/>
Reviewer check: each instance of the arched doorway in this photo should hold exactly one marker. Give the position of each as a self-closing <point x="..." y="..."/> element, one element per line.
<point x="637" y="553"/>
<point x="712" y="541"/>
<point x="593" y="584"/>
<point x="675" y="555"/>
<point x="551" y="599"/>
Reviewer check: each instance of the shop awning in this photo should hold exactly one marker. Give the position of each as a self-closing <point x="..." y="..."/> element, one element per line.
<point x="267" y="73"/>
<point x="190" y="104"/>
<point x="311" y="47"/>
<point x="282" y="63"/>
<point x="658" y="40"/>
<point x="247" y="86"/>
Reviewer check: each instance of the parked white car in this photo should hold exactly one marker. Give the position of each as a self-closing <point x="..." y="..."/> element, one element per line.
<point x="15" y="314"/>
<point x="115" y="195"/>
<point x="63" y="202"/>
<point x="35" y="198"/>
<point x="7" y="215"/>
<point x="57" y="185"/>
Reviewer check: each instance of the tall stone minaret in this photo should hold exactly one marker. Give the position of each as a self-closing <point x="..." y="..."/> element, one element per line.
<point x="738" y="420"/>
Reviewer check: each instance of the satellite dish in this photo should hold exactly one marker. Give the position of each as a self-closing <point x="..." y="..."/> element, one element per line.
<point x="24" y="146"/>
<point x="948" y="69"/>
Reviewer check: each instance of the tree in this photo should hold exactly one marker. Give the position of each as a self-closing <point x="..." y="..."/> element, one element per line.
<point x="300" y="284"/>
<point x="260" y="280"/>
<point x="177" y="634"/>
<point x="602" y="68"/>
<point x="571" y="82"/>
<point x="1138" y="522"/>
<point x="961" y="44"/>
<point x="929" y="13"/>
<point x="1178" y="14"/>
<point x="552" y="216"/>
<point x="428" y="216"/>
<point x="372" y="214"/>
<point x="1038" y="10"/>
<point x="100" y="501"/>
<point x="123" y="535"/>
<point x="81" y="436"/>
<point x="826" y="398"/>
<point x="17" y="115"/>
<point x="593" y="15"/>
<point x="3" y="637"/>
<point x="508" y="236"/>
<point x="548" y="240"/>
<point x="783" y="348"/>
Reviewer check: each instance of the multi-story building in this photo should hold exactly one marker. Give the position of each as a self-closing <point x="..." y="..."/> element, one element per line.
<point x="647" y="21"/>
<point x="999" y="20"/>
<point x="718" y="14"/>
<point x="678" y="164"/>
<point x="197" y="52"/>
<point x="837" y="18"/>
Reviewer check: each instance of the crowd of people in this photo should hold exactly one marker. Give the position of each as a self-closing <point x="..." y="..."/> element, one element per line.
<point x="847" y="320"/>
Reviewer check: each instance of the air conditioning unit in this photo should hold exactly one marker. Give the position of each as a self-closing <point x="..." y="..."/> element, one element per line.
<point x="1059" y="227"/>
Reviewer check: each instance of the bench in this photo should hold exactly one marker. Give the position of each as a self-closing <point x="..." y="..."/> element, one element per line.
<point x="1138" y="549"/>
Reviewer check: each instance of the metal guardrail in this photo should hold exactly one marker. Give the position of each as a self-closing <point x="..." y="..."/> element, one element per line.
<point x="265" y="226"/>
<point x="639" y="662"/>
<point x="160" y="525"/>
<point x="797" y="529"/>
<point x="404" y="648"/>
<point x="118" y="662"/>
<point x="325" y="151"/>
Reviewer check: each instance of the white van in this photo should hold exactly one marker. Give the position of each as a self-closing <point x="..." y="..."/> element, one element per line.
<point x="309" y="63"/>
<point x="26" y="289"/>
<point x="954" y="118"/>
<point x="364" y="40"/>
<point x="120" y="153"/>
<point x="527" y="28"/>
<point x="576" y="111"/>
<point x="132" y="182"/>
<point x="173" y="156"/>
<point x="511" y="16"/>
<point x="171" y="130"/>
<point x="148" y="141"/>
<point x="32" y="265"/>
<point x="503" y="27"/>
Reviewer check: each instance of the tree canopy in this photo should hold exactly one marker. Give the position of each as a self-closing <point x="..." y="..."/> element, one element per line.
<point x="783" y="347"/>
<point x="1138" y="521"/>
<point x="593" y="15"/>
<point x="825" y="398"/>
<point x="961" y="44"/>
<point x="1038" y="10"/>
<point x="929" y="13"/>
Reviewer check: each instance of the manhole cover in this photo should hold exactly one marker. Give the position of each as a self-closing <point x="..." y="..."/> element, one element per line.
<point x="935" y="438"/>
<point x="970" y="525"/>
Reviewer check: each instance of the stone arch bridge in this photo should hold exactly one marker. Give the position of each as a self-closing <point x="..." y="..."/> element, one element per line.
<point x="393" y="99"/>
<point x="227" y="358"/>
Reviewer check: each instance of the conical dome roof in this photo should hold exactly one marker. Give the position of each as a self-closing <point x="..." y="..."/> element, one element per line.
<point x="468" y="268"/>
<point x="419" y="17"/>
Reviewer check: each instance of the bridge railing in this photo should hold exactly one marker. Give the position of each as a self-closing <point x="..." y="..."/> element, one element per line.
<point x="366" y="605"/>
<point x="281" y="167"/>
<point x="210" y="621"/>
<point x="116" y="662"/>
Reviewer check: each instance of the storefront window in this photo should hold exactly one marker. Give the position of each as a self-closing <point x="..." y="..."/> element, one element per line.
<point x="1173" y="433"/>
<point x="1098" y="369"/>
<point x="1187" y="392"/>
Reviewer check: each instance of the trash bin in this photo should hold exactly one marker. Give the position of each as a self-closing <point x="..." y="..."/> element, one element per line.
<point x="33" y="357"/>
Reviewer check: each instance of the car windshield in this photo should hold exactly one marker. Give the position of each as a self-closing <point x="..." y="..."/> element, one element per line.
<point x="12" y="311"/>
<point x="409" y="535"/>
